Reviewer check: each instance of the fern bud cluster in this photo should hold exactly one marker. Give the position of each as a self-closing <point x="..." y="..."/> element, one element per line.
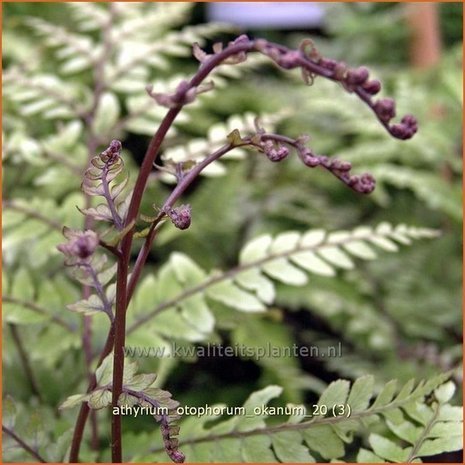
<point x="80" y="246"/>
<point x="275" y="152"/>
<point x="171" y="443"/>
<point x="180" y="216"/>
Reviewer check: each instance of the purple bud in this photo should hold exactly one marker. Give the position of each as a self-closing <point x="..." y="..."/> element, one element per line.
<point x="112" y="152"/>
<point x="80" y="245"/>
<point x="86" y="245"/>
<point x="357" y="76"/>
<point x="372" y="87"/>
<point x="340" y="70"/>
<point x="328" y="63"/>
<point x="115" y="146"/>
<point x="289" y="60"/>
<point x="409" y="120"/>
<point x="276" y="155"/>
<point x="353" y="181"/>
<point x="177" y="456"/>
<point x="340" y="165"/>
<point x="398" y="131"/>
<point x="405" y="129"/>
<point x="366" y="184"/>
<point x="325" y="161"/>
<point x="385" y="109"/>
<point x="180" y="216"/>
<point x="311" y="160"/>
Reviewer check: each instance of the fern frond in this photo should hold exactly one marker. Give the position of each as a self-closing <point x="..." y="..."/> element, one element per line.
<point x="88" y="16"/>
<point x="249" y="287"/>
<point x="25" y="304"/>
<point x="198" y="149"/>
<point x="37" y="222"/>
<point x="435" y="192"/>
<point x="148" y="22"/>
<point x="102" y="179"/>
<point x="429" y="430"/>
<point x="77" y="51"/>
<point x="133" y="53"/>
<point x="138" y="390"/>
<point x="308" y="435"/>
<point x="44" y="95"/>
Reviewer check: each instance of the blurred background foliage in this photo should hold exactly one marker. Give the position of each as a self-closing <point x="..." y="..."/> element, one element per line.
<point x="396" y="317"/>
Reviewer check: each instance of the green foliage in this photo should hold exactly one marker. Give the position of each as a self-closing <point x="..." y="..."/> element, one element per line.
<point x="320" y="432"/>
<point x="183" y="284"/>
<point x="257" y="266"/>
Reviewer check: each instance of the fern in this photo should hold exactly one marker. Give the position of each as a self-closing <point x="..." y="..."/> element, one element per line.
<point x="74" y="80"/>
<point x="436" y="193"/>
<point x="309" y="437"/>
<point x="39" y="223"/>
<point x="429" y="430"/>
<point x="197" y="149"/>
<point x="75" y="51"/>
<point x="248" y="287"/>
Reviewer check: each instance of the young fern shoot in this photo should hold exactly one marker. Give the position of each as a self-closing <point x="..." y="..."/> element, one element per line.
<point x="121" y="210"/>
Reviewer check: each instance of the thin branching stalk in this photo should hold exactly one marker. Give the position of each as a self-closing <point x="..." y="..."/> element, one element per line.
<point x="23" y="444"/>
<point x="311" y="66"/>
<point x="39" y="310"/>
<point x="25" y="362"/>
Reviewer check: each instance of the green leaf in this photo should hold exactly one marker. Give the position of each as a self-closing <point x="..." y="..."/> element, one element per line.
<point x="445" y="392"/>
<point x="196" y="312"/>
<point x="19" y="313"/>
<point x="255" y="418"/>
<point x="35" y="429"/>
<point x="57" y="451"/>
<point x="141" y="381"/>
<point x="229" y="294"/>
<point x="325" y="441"/>
<point x="366" y="456"/>
<point x="234" y="138"/>
<point x="107" y="113"/>
<point x="361" y="393"/>
<point x="74" y="400"/>
<point x="9" y="411"/>
<point x="75" y="65"/>
<point x="386" y="395"/>
<point x="127" y="400"/>
<point x="99" y="399"/>
<point x="360" y="249"/>
<point x="255" y="250"/>
<point x="405" y="430"/>
<point x="130" y="370"/>
<point x="104" y="372"/>
<point x="23" y="287"/>
<point x="253" y="280"/>
<point x="406" y="390"/>
<point x="441" y="445"/>
<point x="387" y="449"/>
<point x="335" y="394"/>
<point x="337" y="257"/>
<point x="310" y="262"/>
<point x="446" y="429"/>
<point x="384" y="243"/>
<point x="262" y="397"/>
<point x="89" y="306"/>
<point x="186" y="270"/>
<point x="283" y="271"/>
<point x="288" y="448"/>
<point x="256" y="449"/>
<point x="228" y="450"/>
